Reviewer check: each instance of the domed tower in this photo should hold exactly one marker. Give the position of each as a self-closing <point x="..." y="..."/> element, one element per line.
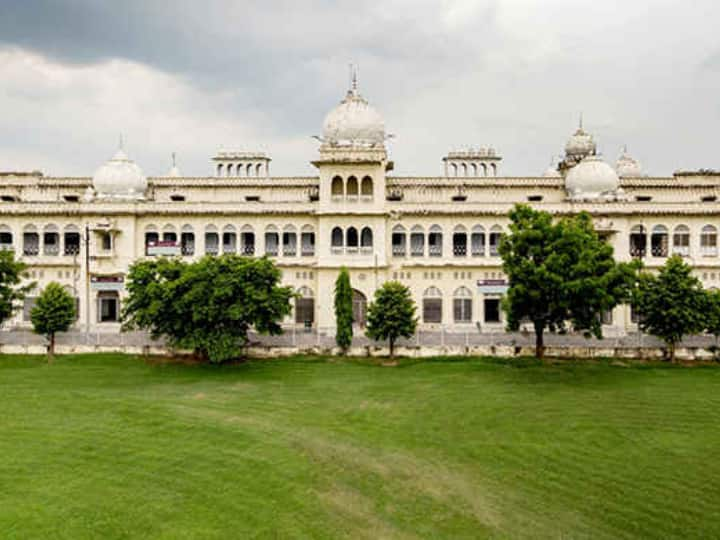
<point x="579" y="146"/>
<point x="593" y="180"/>
<point x="627" y="166"/>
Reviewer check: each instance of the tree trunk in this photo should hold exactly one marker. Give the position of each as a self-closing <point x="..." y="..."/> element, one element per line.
<point x="392" y="347"/>
<point x="671" y="352"/>
<point x="51" y="349"/>
<point x="539" y="339"/>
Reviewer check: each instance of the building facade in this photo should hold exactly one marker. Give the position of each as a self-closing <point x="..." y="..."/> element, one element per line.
<point x="437" y="234"/>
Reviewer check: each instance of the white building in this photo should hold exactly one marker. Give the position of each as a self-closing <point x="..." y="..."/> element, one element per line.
<point x="437" y="234"/>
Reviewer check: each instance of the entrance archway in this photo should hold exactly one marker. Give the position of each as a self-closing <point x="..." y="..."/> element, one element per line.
<point x="359" y="304"/>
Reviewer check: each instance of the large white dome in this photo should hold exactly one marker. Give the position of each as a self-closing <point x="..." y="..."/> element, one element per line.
<point x="592" y="178"/>
<point x="354" y="122"/>
<point x="120" y="178"/>
<point x="627" y="166"/>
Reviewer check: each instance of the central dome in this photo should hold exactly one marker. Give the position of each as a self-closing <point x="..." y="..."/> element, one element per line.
<point x="592" y="178"/>
<point x="120" y="178"/>
<point x="581" y="144"/>
<point x="354" y="122"/>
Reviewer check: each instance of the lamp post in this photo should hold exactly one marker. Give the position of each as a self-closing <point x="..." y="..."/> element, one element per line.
<point x="87" y="281"/>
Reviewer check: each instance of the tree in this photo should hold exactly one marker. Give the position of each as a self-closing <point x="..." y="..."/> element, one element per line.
<point x="343" y="310"/>
<point x="560" y="274"/>
<point x="12" y="273"/>
<point x="391" y="314"/>
<point x="206" y="306"/>
<point x="54" y="312"/>
<point x="672" y="304"/>
<point x="712" y="316"/>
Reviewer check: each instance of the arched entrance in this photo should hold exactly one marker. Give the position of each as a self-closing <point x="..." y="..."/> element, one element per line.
<point x="359" y="303"/>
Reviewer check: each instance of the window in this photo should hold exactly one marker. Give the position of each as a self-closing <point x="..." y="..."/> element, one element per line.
<point x="366" y="188"/>
<point x="366" y="239"/>
<point x="352" y="188"/>
<point x="399" y="241"/>
<point x="659" y="241"/>
<point x="643" y="198"/>
<point x="31" y="243"/>
<point x="681" y="241"/>
<point x="252" y="198"/>
<point x="229" y="240"/>
<point x="151" y="238"/>
<point x="108" y="306"/>
<point x="638" y="241"/>
<point x="336" y="240"/>
<point x="305" y="307"/>
<point x="460" y="242"/>
<point x="432" y="305"/>
<point x="337" y="189"/>
<point x="177" y="198"/>
<point x="417" y="242"/>
<point x="351" y="238"/>
<point x="187" y="243"/>
<point x="492" y="310"/>
<point x="289" y="242"/>
<point x="709" y="198"/>
<point x="708" y="241"/>
<point x="71" y="241"/>
<point x="272" y="242"/>
<point x="435" y="241"/>
<point x="477" y="241"/>
<point x="462" y="305"/>
<point x="51" y="242"/>
<point x="8" y="198"/>
<point x="535" y="198"/>
<point x="606" y="317"/>
<point x="106" y="241"/>
<point x="212" y="243"/>
<point x="247" y="241"/>
<point x="71" y="198"/>
<point x="495" y="235"/>
<point x="307" y="243"/>
<point x="6" y="239"/>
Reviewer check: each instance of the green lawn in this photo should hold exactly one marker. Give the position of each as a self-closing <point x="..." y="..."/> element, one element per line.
<point x="111" y="447"/>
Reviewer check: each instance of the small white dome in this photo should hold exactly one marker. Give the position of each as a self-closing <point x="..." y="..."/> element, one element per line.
<point x="627" y="166"/>
<point x="592" y="178"/>
<point x="354" y="122"/>
<point x="552" y="172"/>
<point x="581" y="144"/>
<point x="120" y="178"/>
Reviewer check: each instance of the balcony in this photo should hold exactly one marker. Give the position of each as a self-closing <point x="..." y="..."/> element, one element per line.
<point x="399" y="251"/>
<point x="460" y="250"/>
<point x="162" y="248"/>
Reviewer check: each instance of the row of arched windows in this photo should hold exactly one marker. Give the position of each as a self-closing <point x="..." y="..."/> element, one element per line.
<point x="472" y="169"/>
<point x="351" y="189"/>
<point x="243" y="169"/>
<point x="350" y="240"/>
<point x="48" y="240"/>
<point x="475" y="242"/>
<point x="662" y="244"/>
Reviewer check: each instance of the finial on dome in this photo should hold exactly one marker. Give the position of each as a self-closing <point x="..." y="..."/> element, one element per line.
<point x="121" y="145"/>
<point x="581" y="120"/>
<point x="173" y="160"/>
<point x="353" y="80"/>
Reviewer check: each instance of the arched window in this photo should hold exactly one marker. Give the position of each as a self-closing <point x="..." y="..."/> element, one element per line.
<point x="352" y="188"/>
<point x="435" y="241"/>
<point x="247" y="240"/>
<point x="187" y="240"/>
<point x="399" y="241"/>
<point x="305" y="307"/>
<point x="432" y="305"/>
<point x="681" y="241"/>
<point x="152" y="237"/>
<point x="258" y="169"/>
<point x="220" y="169"/>
<point x="307" y="241"/>
<point x="169" y="234"/>
<point x="239" y="169"/>
<point x="366" y="187"/>
<point x="289" y="241"/>
<point x="229" y="239"/>
<point x="494" y="240"/>
<point x="336" y="240"/>
<point x="659" y="241"/>
<point x="474" y="169"/>
<point x="417" y="241"/>
<point x="248" y="169"/>
<point x="351" y="238"/>
<point x="272" y="241"/>
<point x="462" y="305"/>
<point x="709" y="241"/>
<point x="454" y="169"/>
<point x="638" y="241"/>
<point x="460" y="241"/>
<point x="366" y="238"/>
<point x="6" y="238"/>
<point x="336" y="187"/>
<point x="477" y="241"/>
<point x="71" y="240"/>
<point x="212" y="240"/>
<point x="493" y="168"/>
<point x="484" y="169"/>
<point x="51" y="240"/>
<point x="464" y="169"/>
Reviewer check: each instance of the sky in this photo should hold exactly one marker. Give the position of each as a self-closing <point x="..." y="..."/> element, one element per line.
<point x="259" y="75"/>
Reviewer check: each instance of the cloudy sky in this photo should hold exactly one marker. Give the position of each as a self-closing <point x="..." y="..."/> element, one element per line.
<point x="192" y="77"/>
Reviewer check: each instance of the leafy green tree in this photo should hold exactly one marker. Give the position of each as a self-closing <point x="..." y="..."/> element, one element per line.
<point x="712" y="316"/>
<point x="561" y="274"/>
<point x="12" y="293"/>
<point x="206" y="306"/>
<point x="671" y="304"/>
<point x="54" y="312"/>
<point x="391" y="315"/>
<point x="343" y="310"/>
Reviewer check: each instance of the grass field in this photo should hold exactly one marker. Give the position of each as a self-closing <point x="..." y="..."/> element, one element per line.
<point x="112" y="447"/>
